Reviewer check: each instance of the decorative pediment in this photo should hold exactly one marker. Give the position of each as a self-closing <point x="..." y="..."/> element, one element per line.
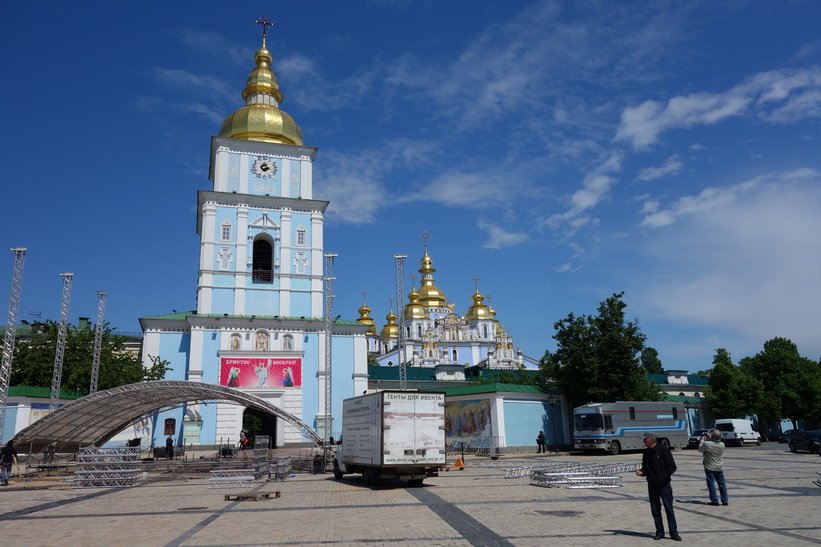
<point x="264" y="223"/>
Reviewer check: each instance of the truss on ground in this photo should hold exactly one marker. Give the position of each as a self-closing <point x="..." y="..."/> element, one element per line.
<point x="95" y="418"/>
<point x="107" y="467"/>
<point x="566" y="467"/>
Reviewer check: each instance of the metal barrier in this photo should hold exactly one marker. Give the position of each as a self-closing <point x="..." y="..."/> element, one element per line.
<point x="107" y="467"/>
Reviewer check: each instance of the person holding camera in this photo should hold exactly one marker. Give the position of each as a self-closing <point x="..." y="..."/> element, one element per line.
<point x="713" y="450"/>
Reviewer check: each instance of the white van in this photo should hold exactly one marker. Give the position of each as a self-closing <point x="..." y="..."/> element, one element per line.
<point x="738" y="432"/>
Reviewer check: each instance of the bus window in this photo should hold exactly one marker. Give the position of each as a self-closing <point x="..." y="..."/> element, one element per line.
<point x="675" y="413"/>
<point x="608" y="422"/>
<point x="587" y="422"/>
<point x="632" y="413"/>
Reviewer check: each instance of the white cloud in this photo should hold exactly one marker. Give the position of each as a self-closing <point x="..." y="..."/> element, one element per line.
<point x="782" y="96"/>
<point x="672" y="166"/>
<point x="746" y="262"/>
<point x="709" y="198"/>
<point x="498" y="237"/>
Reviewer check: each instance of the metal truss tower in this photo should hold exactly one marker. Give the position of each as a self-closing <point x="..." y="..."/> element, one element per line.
<point x="329" y="322"/>
<point x="61" y="342"/>
<point x="400" y="315"/>
<point x="98" y="342"/>
<point x="11" y="330"/>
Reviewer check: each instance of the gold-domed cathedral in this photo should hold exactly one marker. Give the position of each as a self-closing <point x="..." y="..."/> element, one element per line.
<point x="437" y="338"/>
<point x="259" y="324"/>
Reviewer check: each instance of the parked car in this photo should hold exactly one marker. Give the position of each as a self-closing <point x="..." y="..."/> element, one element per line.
<point x="785" y="435"/>
<point x="805" y="440"/>
<point x="696" y="436"/>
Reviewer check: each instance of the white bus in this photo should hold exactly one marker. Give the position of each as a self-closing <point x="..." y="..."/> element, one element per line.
<point x="614" y="427"/>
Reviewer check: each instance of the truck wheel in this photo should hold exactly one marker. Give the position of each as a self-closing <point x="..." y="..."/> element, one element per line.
<point x="415" y="482"/>
<point x="337" y="473"/>
<point x="615" y="448"/>
<point x="758" y="441"/>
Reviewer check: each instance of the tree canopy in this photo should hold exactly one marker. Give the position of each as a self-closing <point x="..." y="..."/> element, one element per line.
<point x="598" y="357"/>
<point x="792" y="383"/>
<point x="731" y="392"/>
<point x="33" y="363"/>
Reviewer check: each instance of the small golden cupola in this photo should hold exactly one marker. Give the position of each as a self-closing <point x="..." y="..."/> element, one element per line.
<point x="391" y="329"/>
<point x="415" y="310"/>
<point x="478" y="311"/>
<point x="365" y="318"/>
<point x="261" y="119"/>
<point x="429" y="295"/>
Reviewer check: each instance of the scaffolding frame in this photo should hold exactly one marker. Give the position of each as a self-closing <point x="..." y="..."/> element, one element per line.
<point x="98" y="342"/>
<point x="11" y="331"/>
<point x="57" y="377"/>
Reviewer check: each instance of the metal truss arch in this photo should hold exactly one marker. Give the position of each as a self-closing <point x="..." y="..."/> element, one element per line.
<point x="97" y="417"/>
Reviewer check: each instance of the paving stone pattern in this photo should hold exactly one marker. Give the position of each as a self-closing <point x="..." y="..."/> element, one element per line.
<point x="773" y="501"/>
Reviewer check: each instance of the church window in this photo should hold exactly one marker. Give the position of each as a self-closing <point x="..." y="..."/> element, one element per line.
<point x="484" y="330"/>
<point x="455" y="356"/>
<point x="419" y="331"/>
<point x="262" y="269"/>
<point x="300" y="236"/>
<point x="170" y="426"/>
<point x="225" y="232"/>
<point x="408" y="331"/>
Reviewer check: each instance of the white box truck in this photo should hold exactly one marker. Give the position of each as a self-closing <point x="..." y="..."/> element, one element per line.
<point x="614" y="427"/>
<point x="392" y="434"/>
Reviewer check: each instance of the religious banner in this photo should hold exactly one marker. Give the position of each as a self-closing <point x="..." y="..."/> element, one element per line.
<point x="468" y="422"/>
<point x="252" y="372"/>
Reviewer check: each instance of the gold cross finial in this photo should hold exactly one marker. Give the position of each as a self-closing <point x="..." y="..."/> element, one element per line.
<point x="425" y="237"/>
<point x="413" y="282"/>
<point x="264" y="23"/>
<point x="476" y="279"/>
<point x="364" y="294"/>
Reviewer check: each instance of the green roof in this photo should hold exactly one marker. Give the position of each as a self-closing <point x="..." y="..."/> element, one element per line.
<point x="684" y="399"/>
<point x="496" y="388"/>
<point x="41" y="392"/>
<point x="392" y="373"/>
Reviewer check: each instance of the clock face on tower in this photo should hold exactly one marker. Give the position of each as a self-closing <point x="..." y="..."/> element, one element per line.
<point x="264" y="168"/>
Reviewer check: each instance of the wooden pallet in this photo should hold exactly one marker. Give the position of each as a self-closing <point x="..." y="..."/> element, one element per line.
<point x="251" y="497"/>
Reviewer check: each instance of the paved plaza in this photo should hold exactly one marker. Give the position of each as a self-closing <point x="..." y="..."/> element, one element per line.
<point x="773" y="501"/>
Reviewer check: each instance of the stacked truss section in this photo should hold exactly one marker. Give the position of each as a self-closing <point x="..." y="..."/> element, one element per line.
<point x="107" y="467"/>
<point x="280" y="469"/>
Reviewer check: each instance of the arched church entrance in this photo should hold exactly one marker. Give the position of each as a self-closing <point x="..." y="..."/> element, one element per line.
<point x="256" y="422"/>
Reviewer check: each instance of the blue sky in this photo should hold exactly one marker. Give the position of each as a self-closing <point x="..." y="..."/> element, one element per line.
<point x="559" y="151"/>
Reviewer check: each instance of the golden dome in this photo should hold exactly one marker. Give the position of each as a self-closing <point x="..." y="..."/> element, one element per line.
<point x="478" y="310"/>
<point x="429" y="295"/>
<point x="261" y="119"/>
<point x="415" y="310"/>
<point x="391" y="330"/>
<point x="365" y="318"/>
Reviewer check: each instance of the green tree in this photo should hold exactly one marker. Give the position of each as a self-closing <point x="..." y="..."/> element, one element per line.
<point x="597" y="357"/>
<point x="34" y="360"/>
<point x="731" y="392"/>
<point x="792" y="383"/>
<point x="650" y="361"/>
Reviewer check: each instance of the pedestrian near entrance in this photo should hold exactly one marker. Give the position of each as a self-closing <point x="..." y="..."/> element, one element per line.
<point x="8" y="457"/>
<point x="169" y="448"/>
<point x="658" y="466"/>
<point x="713" y="450"/>
<point x="540" y="442"/>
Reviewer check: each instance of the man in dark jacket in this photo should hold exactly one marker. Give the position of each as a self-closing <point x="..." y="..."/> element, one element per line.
<point x="657" y="466"/>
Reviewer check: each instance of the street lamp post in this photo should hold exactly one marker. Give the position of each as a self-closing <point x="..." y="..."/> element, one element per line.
<point x="552" y="402"/>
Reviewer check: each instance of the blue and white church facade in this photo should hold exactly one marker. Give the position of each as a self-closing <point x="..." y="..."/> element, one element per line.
<point x="259" y="322"/>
